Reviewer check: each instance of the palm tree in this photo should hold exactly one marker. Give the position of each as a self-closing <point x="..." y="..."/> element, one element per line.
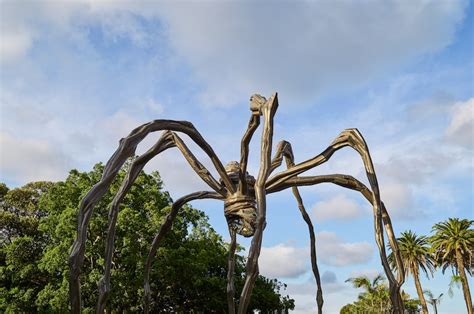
<point x="376" y="297"/>
<point x="364" y="282"/>
<point x="373" y="291"/>
<point x="453" y="244"/>
<point x="415" y="254"/>
<point x="433" y="301"/>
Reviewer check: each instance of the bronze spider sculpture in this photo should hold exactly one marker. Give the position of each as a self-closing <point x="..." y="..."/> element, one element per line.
<point x="244" y="199"/>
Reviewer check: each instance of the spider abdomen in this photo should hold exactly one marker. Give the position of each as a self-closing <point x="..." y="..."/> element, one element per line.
<point x="241" y="214"/>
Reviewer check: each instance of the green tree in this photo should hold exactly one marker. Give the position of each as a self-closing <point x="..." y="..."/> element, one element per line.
<point x="376" y="297"/>
<point x="348" y="309"/>
<point x="453" y="245"/>
<point x="21" y="245"/>
<point x="411" y="306"/>
<point x="189" y="273"/>
<point x="416" y="254"/>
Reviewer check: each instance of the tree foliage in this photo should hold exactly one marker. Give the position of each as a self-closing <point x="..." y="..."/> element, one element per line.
<point x="453" y="246"/>
<point x="376" y="297"/>
<point x="38" y="225"/>
<point x="415" y="252"/>
<point x="451" y="238"/>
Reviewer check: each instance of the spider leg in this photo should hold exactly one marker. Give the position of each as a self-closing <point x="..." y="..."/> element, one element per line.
<point x="197" y="166"/>
<point x="230" y="272"/>
<point x="177" y="205"/>
<point x="167" y="140"/>
<point x="348" y="137"/>
<point x="267" y="109"/>
<point x="244" y="151"/>
<point x="284" y="150"/>
<point x="125" y="150"/>
<point x="351" y="138"/>
<point x="242" y="189"/>
<point x="354" y="184"/>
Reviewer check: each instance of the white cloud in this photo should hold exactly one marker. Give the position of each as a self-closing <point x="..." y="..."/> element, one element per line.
<point x="177" y="175"/>
<point x="335" y="294"/>
<point x="399" y="200"/>
<point x="414" y="158"/>
<point x="236" y="48"/>
<point x="14" y="45"/>
<point x="371" y="273"/>
<point x="461" y="127"/>
<point x="119" y="125"/>
<point x="155" y="107"/>
<point x="26" y="160"/>
<point x="333" y="251"/>
<point x="283" y="261"/>
<point x="329" y="283"/>
<point x="339" y="207"/>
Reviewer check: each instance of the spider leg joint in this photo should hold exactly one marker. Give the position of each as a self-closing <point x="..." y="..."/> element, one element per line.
<point x="256" y="104"/>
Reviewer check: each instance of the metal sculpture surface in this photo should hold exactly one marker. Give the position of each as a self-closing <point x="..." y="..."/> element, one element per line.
<point x="244" y="199"/>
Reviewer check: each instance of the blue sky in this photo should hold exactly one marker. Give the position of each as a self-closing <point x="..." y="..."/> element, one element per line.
<point x="77" y="76"/>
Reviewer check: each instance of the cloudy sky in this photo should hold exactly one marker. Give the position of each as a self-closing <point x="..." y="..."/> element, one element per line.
<point x="77" y="76"/>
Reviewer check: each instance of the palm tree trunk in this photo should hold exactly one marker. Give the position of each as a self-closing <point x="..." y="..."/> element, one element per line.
<point x="424" y="307"/>
<point x="465" y="285"/>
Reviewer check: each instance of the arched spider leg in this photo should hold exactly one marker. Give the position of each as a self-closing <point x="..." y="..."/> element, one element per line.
<point x="284" y="150"/>
<point x="165" y="227"/>
<point x="167" y="140"/>
<point x="125" y="150"/>
<point x="353" y="184"/>
<point x="352" y="138"/>
<point x="267" y="109"/>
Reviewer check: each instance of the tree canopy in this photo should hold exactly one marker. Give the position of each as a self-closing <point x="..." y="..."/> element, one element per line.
<point x="375" y="297"/>
<point x="416" y="255"/>
<point x="453" y="246"/>
<point x="38" y="225"/>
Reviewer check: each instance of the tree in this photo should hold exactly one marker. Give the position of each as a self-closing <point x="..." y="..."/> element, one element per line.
<point x="433" y="301"/>
<point x="411" y="306"/>
<point x="376" y="297"/>
<point x="453" y="245"/>
<point x="21" y="245"/>
<point x="348" y="309"/>
<point x="189" y="273"/>
<point x="416" y="255"/>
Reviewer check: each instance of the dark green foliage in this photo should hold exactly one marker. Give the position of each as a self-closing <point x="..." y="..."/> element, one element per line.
<point x="22" y="244"/>
<point x="38" y="225"/>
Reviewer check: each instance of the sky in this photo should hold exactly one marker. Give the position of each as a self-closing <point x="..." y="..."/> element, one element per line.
<point x="77" y="76"/>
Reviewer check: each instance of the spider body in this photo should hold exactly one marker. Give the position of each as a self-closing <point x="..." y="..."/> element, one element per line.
<point x="243" y="195"/>
<point x="240" y="209"/>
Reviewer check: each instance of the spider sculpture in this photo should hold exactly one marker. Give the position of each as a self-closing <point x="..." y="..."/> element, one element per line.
<point x="244" y="199"/>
